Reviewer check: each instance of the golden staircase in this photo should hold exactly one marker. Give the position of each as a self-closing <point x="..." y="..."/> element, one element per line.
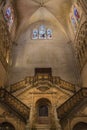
<point x="23" y="112"/>
<point x="67" y="107"/>
<point x="14" y="105"/>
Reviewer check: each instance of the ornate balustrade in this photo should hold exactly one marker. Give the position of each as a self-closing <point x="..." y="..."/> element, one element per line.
<point x="35" y="79"/>
<point x="66" y="85"/>
<point x="17" y="86"/>
<point x="12" y="103"/>
<point x="43" y="80"/>
<point x="65" y="108"/>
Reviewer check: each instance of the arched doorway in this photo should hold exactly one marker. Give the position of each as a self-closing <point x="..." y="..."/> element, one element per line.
<point x="43" y="111"/>
<point x="6" y="126"/>
<point x="80" y="126"/>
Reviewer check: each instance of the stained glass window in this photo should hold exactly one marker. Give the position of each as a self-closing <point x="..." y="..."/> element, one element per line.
<point x="73" y="21"/>
<point x="42" y="33"/>
<point x="9" y="16"/>
<point x="35" y="34"/>
<point x="75" y="16"/>
<point x="49" y="34"/>
<point x="76" y="13"/>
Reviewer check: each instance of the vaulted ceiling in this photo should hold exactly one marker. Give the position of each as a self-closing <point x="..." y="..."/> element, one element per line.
<point x="55" y="53"/>
<point x="51" y="11"/>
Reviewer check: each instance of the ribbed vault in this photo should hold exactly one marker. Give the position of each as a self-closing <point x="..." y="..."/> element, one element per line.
<point x="54" y="53"/>
<point x="30" y="11"/>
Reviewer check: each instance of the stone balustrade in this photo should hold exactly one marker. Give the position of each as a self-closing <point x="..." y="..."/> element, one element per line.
<point x="65" y="108"/>
<point x="12" y="103"/>
<point x="43" y="80"/>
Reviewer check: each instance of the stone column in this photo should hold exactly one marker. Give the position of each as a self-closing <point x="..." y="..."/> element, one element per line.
<point x="27" y="125"/>
<point x="58" y="126"/>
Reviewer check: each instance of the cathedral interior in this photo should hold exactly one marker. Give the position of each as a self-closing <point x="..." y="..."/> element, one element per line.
<point x="43" y="64"/>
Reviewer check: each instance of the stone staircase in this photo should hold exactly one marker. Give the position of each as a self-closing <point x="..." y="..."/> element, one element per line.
<point x="72" y="103"/>
<point x="14" y="105"/>
<point x="42" y="127"/>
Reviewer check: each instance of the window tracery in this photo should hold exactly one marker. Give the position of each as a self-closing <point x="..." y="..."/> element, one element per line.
<point x="76" y="13"/>
<point x="73" y="22"/>
<point x="35" y="34"/>
<point x="42" y="33"/>
<point x="75" y="16"/>
<point x="49" y="33"/>
<point x="8" y="13"/>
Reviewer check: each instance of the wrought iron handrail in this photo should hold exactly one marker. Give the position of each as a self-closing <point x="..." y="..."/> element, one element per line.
<point x="12" y="103"/>
<point x="67" y="106"/>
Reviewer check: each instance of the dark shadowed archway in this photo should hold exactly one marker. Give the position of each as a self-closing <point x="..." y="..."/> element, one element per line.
<point x="43" y="110"/>
<point x="6" y="126"/>
<point x="80" y="126"/>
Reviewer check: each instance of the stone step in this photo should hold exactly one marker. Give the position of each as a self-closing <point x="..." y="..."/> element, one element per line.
<point x="43" y="120"/>
<point x="42" y="127"/>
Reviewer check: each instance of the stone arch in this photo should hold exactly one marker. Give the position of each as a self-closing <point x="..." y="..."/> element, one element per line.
<point x="85" y="3"/>
<point x="42" y="103"/>
<point x="80" y="126"/>
<point x="81" y="44"/>
<point x="43" y="110"/>
<point x="6" y="126"/>
<point x="77" y="120"/>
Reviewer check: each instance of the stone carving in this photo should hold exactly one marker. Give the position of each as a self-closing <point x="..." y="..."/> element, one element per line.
<point x="43" y="88"/>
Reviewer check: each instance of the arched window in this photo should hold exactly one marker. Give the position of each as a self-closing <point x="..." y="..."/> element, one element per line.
<point x="76" y="13"/>
<point x="8" y="13"/>
<point x="49" y="33"/>
<point x="35" y="34"/>
<point x="42" y="32"/>
<point x="73" y="22"/>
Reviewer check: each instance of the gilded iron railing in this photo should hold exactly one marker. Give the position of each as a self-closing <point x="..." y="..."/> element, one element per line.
<point x="12" y="103"/>
<point x="65" y="108"/>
